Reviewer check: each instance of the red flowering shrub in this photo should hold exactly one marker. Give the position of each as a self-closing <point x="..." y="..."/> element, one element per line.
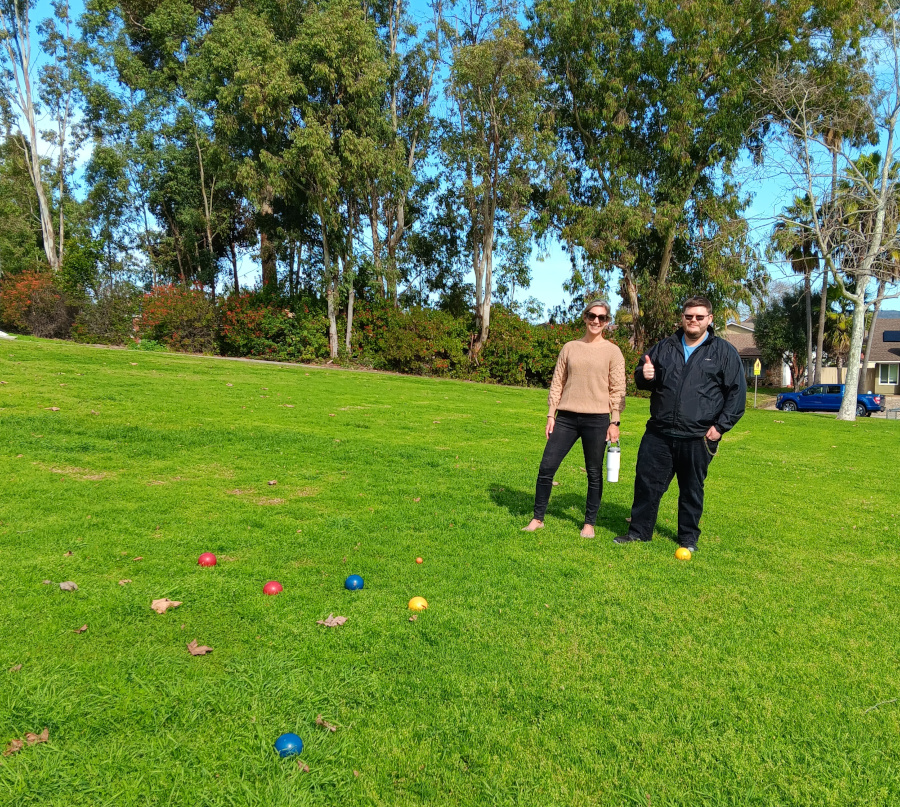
<point x="16" y="294"/>
<point x="421" y="341"/>
<point x="31" y="302"/>
<point x="250" y="326"/>
<point x="182" y="318"/>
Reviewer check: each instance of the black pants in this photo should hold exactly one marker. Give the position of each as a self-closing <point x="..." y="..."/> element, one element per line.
<point x="568" y="428"/>
<point x="660" y="459"/>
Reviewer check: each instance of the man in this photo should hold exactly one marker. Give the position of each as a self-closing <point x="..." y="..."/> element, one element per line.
<point x="697" y="393"/>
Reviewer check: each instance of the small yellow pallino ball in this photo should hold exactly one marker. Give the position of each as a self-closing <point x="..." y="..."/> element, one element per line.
<point x="418" y="604"/>
<point x="683" y="553"/>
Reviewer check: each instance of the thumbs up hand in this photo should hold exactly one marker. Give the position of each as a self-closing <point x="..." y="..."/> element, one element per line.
<point x="648" y="369"/>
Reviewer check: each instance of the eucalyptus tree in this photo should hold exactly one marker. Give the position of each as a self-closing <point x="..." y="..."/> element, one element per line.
<point x="655" y="103"/>
<point x="44" y="76"/>
<point x="413" y="55"/>
<point x="495" y="140"/>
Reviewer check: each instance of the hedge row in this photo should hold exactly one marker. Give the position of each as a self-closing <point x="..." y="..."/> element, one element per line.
<point x="418" y="341"/>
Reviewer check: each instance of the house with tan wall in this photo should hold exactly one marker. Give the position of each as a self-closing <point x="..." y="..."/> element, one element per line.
<point x="740" y="334"/>
<point x="883" y="370"/>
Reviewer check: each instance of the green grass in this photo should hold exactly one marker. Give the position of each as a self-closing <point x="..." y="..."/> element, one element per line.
<point x="548" y="670"/>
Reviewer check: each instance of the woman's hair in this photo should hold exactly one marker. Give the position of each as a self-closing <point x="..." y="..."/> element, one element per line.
<point x="594" y="303"/>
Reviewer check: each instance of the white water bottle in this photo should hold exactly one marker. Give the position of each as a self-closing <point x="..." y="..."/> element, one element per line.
<point x="613" y="458"/>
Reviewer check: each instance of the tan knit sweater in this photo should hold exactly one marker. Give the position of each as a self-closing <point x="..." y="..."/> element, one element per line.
<point x="589" y="378"/>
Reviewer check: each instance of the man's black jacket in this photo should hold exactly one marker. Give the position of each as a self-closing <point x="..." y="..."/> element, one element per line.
<point x="687" y="399"/>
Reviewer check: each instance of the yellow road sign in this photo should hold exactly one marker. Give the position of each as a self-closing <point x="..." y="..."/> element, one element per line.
<point x="757" y="367"/>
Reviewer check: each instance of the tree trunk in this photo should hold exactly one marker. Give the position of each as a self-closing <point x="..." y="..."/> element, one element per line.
<point x="858" y="327"/>
<point x="266" y="248"/>
<point x="882" y="285"/>
<point x="351" y="297"/>
<point x="635" y="308"/>
<point x="234" y="266"/>
<point x="807" y="299"/>
<point x="820" y="336"/>
<point x="331" y="291"/>
<point x="376" y="243"/>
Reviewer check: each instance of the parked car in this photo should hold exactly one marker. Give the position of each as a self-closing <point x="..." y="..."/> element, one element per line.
<point x="827" y="398"/>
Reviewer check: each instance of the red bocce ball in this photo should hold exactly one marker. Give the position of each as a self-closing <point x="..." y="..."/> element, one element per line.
<point x="273" y="587"/>
<point x="207" y="559"/>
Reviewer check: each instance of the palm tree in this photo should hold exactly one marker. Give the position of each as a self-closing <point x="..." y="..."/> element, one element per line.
<point x="794" y="239"/>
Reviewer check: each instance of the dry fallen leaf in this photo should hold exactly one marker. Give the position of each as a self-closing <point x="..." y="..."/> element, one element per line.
<point x="417" y="499"/>
<point x="124" y="582"/>
<point x="82" y="629"/>
<point x="304" y="768"/>
<point x="321" y="721"/>
<point x="163" y="605"/>
<point x="69" y="554"/>
<point x="133" y="363"/>
<point x="229" y="385"/>
<point x="47" y="582"/>
<point x="68" y="586"/>
<point x="94" y="412"/>
<point x="15" y="668"/>
<point x="33" y="739"/>
<point x="555" y="484"/>
<point x="14" y="745"/>
<point x="198" y="650"/>
<point x="139" y="557"/>
<point x="343" y="560"/>
<point x="356" y="773"/>
<point x="413" y="618"/>
<point x="52" y="408"/>
<point x="331" y="415"/>
<point x="273" y="482"/>
<point x="332" y="621"/>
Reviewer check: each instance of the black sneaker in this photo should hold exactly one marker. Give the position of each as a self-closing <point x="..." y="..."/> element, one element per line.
<point x="627" y="539"/>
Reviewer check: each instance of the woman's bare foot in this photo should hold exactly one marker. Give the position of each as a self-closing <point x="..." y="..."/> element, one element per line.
<point x="587" y="531"/>
<point x="533" y="525"/>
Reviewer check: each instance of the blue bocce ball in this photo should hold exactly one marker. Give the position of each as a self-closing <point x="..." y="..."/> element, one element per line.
<point x="288" y="744"/>
<point x="353" y="583"/>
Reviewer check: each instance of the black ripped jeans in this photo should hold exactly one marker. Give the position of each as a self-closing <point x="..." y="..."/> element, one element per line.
<point x="569" y="426"/>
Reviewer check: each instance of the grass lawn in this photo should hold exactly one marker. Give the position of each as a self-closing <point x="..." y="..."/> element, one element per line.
<point x="548" y="669"/>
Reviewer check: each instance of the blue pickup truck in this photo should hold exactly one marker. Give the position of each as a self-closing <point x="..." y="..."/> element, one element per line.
<point x="827" y="398"/>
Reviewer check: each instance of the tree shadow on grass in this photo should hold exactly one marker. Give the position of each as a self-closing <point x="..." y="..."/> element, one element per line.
<point x="563" y="507"/>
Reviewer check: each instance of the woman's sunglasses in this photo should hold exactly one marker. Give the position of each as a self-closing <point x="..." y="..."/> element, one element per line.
<point x="596" y="317"/>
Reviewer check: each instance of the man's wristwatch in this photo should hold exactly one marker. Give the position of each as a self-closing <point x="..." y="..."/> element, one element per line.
<point x="615" y="423"/>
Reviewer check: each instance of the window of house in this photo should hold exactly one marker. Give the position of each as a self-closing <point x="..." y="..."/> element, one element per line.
<point x="887" y="373"/>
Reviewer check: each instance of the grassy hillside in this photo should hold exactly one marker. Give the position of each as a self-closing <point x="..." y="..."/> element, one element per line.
<point x="548" y="669"/>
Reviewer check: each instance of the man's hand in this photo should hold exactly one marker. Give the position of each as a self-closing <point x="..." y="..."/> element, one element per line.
<point x="612" y="434"/>
<point x="648" y="369"/>
<point x="713" y="434"/>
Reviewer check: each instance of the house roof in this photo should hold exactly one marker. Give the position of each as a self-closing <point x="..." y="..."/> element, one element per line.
<point x="883" y="351"/>
<point x="745" y="344"/>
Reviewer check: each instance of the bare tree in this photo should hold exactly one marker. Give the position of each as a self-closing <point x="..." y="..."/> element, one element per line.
<point x="853" y="190"/>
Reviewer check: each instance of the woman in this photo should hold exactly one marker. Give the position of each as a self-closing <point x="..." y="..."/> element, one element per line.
<point x="586" y="396"/>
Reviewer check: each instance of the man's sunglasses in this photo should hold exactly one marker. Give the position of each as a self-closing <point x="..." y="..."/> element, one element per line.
<point x="596" y="317"/>
<point x="691" y="317"/>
